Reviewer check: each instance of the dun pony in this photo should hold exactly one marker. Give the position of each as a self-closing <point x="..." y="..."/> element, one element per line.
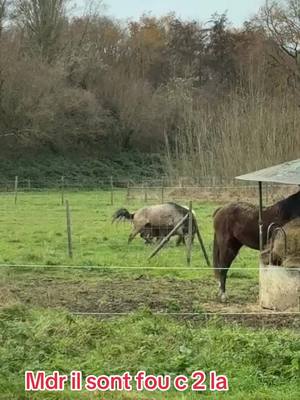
<point x="156" y="221"/>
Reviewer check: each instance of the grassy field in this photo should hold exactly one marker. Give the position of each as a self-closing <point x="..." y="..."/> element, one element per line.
<point x="41" y="295"/>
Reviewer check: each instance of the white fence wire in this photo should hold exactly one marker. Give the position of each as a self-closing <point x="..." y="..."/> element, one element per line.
<point x="33" y="216"/>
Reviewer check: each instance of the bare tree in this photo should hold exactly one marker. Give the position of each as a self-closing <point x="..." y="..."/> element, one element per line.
<point x="3" y="12"/>
<point x="42" y="21"/>
<point x="281" y="22"/>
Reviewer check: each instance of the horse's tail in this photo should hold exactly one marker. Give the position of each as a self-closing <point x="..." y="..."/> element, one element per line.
<point x="216" y="251"/>
<point x="216" y="257"/>
<point x="215" y="212"/>
<point x="122" y="214"/>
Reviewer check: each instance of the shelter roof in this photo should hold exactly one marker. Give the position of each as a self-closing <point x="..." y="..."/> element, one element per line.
<point x="288" y="173"/>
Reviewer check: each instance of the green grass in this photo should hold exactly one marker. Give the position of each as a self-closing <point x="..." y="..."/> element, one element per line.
<point x="260" y="364"/>
<point x="33" y="232"/>
<point x="38" y="332"/>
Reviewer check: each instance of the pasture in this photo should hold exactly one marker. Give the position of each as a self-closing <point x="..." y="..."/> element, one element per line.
<point x="159" y="315"/>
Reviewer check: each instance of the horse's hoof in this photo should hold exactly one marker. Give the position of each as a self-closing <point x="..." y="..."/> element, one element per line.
<point x="223" y="298"/>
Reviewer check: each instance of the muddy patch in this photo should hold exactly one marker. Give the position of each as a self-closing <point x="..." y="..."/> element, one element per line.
<point x="195" y="300"/>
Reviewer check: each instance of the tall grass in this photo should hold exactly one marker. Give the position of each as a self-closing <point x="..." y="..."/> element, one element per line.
<point x="243" y="131"/>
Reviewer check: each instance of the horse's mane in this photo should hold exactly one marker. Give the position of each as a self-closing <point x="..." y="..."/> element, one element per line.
<point x="289" y="207"/>
<point x="181" y="209"/>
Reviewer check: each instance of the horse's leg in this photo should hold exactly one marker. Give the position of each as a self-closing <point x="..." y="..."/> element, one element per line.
<point x="183" y="239"/>
<point x="179" y="240"/>
<point x="222" y="283"/>
<point x="148" y="240"/>
<point x="227" y="254"/>
<point x="133" y="234"/>
<point x="160" y="237"/>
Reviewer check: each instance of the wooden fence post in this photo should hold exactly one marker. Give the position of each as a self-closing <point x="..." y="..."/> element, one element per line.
<point x="190" y="234"/>
<point x="16" y="189"/>
<point x="202" y="244"/>
<point x="111" y="191"/>
<point x="145" y="192"/>
<point x="28" y="184"/>
<point x="69" y="230"/>
<point x="167" y="238"/>
<point x="128" y="192"/>
<point x="162" y="191"/>
<point x="62" y="190"/>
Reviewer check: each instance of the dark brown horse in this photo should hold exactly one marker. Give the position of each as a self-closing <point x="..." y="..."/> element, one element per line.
<point x="236" y="225"/>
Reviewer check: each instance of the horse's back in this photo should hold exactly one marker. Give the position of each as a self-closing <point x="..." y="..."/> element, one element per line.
<point x="159" y="215"/>
<point x="237" y="222"/>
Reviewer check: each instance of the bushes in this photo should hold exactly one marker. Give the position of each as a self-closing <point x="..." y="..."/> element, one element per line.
<point x="90" y="86"/>
<point x="81" y="170"/>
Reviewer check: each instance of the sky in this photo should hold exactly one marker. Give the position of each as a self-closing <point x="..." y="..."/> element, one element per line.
<point x="237" y="10"/>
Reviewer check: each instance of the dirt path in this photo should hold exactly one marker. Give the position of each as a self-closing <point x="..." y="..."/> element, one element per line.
<point x="186" y="299"/>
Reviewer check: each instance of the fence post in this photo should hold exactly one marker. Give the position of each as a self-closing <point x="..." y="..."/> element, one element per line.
<point x="128" y="192"/>
<point x="167" y="238"/>
<point x="69" y="230"/>
<point x="28" y="184"/>
<point x="190" y="234"/>
<point x="145" y="192"/>
<point x="202" y="244"/>
<point x="62" y="189"/>
<point x="162" y="191"/>
<point x="111" y="191"/>
<point x="16" y="189"/>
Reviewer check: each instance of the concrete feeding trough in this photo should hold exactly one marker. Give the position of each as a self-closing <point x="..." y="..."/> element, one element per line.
<point x="279" y="287"/>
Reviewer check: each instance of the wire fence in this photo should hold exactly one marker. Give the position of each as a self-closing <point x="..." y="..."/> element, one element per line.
<point x="27" y="183"/>
<point x="146" y="190"/>
<point x="61" y="215"/>
<point x="65" y="224"/>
